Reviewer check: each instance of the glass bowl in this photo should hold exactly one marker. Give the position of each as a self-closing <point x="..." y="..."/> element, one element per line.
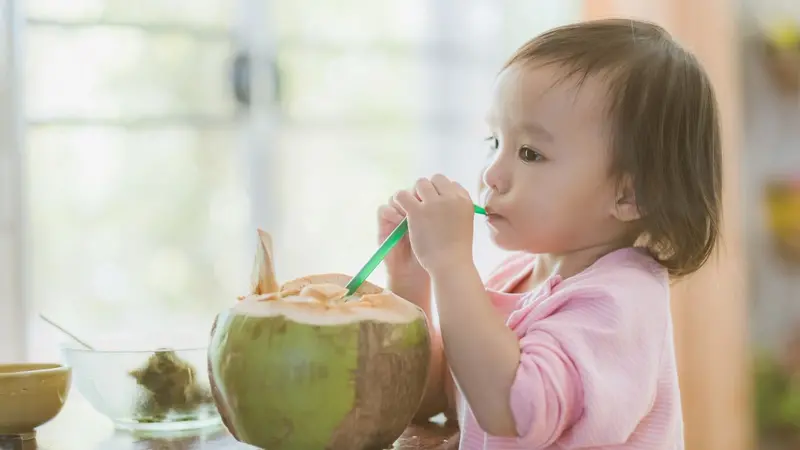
<point x="156" y="390"/>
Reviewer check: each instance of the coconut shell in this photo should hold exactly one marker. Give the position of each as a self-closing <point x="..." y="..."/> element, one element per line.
<point x="301" y="368"/>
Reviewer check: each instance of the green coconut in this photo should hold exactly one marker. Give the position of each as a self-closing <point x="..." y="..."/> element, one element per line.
<point x="303" y="366"/>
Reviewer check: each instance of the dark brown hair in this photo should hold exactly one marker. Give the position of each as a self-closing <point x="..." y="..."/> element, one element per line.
<point x="665" y="134"/>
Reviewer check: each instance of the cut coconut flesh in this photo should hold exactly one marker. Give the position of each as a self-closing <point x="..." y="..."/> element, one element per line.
<point x="321" y="300"/>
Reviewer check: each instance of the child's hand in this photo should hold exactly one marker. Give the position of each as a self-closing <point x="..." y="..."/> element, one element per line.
<point x="401" y="263"/>
<point x="440" y="222"/>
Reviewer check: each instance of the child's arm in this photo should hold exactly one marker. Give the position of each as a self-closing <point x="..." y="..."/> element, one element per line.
<point x="599" y="347"/>
<point x="408" y="279"/>
<point x="418" y="292"/>
<point x="482" y="351"/>
<point x="435" y="400"/>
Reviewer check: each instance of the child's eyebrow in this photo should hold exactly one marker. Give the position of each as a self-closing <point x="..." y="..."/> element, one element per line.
<point x="536" y="128"/>
<point x="529" y="126"/>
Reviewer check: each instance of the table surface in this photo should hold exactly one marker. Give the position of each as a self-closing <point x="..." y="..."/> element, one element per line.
<point x="79" y="427"/>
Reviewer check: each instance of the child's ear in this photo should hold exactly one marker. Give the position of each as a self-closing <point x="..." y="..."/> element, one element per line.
<point x="625" y="208"/>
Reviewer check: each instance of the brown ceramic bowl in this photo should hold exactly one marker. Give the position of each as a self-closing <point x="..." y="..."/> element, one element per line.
<point x="30" y="395"/>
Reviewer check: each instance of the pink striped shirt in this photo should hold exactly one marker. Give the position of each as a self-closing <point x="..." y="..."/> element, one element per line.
<point x="597" y="366"/>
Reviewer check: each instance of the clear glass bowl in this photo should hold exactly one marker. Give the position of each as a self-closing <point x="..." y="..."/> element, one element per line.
<point x="157" y="390"/>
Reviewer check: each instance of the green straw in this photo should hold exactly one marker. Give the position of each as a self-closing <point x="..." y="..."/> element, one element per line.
<point x="392" y="240"/>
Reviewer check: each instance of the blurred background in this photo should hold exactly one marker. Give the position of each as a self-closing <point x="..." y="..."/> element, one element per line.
<point x="143" y="143"/>
<point x="155" y="137"/>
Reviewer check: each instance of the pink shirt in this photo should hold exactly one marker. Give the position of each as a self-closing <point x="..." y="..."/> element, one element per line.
<point x="597" y="364"/>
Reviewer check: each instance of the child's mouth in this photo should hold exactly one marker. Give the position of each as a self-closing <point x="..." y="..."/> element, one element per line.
<point x="493" y="217"/>
<point x="491" y="214"/>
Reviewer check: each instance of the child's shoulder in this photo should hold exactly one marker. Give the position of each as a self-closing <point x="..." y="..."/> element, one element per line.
<point x="626" y="268"/>
<point x="625" y="293"/>
<point x="624" y="277"/>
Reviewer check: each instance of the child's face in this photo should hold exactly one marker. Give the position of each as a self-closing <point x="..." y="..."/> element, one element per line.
<point x="549" y="189"/>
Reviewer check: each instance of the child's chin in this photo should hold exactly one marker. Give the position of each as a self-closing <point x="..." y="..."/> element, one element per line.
<point x="503" y="241"/>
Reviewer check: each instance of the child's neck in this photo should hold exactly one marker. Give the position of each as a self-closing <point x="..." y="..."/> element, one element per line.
<point x="565" y="265"/>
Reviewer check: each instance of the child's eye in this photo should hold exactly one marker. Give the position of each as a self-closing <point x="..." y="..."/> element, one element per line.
<point x="494" y="143"/>
<point x="528" y="154"/>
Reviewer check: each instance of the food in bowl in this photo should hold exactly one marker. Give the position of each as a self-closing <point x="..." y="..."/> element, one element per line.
<point x="154" y="390"/>
<point x="169" y="385"/>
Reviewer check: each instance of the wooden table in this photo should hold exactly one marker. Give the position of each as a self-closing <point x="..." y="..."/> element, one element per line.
<point x="79" y="427"/>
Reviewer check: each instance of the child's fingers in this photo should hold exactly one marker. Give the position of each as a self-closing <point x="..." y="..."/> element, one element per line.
<point x="391" y="214"/>
<point x="442" y="184"/>
<point x="426" y="190"/>
<point x="446" y="186"/>
<point x="461" y="190"/>
<point x="393" y="203"/>
<point x="386" y="211"/>
<point x="408" y="201"/>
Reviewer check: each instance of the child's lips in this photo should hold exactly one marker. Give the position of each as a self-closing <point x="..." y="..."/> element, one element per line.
<point x="492" y="216"/>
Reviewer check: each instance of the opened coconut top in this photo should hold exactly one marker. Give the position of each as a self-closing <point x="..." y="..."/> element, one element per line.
<point x="320" y="299"/>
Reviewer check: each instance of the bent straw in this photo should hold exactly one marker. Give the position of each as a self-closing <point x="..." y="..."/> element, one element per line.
<point x="387" y="245"/>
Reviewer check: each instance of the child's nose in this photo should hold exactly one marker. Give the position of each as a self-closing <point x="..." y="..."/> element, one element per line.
<point x="496" y="177"/>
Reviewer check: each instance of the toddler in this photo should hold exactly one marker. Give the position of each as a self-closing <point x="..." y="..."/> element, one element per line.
<point x="604" y="181"/>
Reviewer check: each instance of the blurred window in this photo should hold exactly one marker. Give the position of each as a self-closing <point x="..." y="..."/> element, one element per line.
<point x="145" y="179"/>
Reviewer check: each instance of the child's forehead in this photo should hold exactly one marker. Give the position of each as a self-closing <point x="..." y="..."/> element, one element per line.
<point x="546" y="92"/>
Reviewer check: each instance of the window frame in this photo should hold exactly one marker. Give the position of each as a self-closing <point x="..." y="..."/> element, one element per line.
<point x="14" y="309"/>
